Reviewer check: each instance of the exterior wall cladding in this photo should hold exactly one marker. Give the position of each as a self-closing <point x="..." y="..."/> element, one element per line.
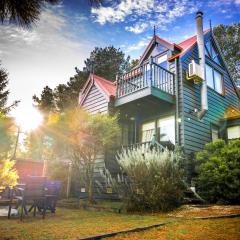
<point x="196" y="133"/>
<point x="193" y="133"/>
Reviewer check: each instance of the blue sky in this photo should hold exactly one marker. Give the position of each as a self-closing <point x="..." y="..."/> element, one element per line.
<point x="66" y="33"/>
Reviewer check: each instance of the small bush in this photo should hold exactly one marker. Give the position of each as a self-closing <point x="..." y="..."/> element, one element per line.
<point x="219" y="171"/>
<point x="58" y="171"/>
<point x="8" y="175"/>
<point x="153" y="180"/>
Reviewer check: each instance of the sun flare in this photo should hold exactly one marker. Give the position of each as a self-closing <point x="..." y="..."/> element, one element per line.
<point x="28" y="119"/>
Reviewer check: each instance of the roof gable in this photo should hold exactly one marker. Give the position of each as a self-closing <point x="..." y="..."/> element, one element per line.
<point x="187" y="45"/>
<point x="107" y="87"/>
<point x="165" y="45"/>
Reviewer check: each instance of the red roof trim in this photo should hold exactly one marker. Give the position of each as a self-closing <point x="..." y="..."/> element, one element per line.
<point x="150" y="45"/>
<point x="187" y="45"/>
<point x="108" y="87"/>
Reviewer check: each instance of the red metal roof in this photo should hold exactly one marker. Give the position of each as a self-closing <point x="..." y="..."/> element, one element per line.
<point x="187" y="45"/>
<point x="107" y="86"/>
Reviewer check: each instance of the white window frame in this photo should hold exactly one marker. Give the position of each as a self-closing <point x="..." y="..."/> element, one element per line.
<point x="163" y="121"/>
<point x="233" y="132"/>
<point x="214" y="80"/>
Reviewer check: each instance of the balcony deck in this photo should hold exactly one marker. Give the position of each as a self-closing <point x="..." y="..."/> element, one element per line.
<point x="150" y="79"/>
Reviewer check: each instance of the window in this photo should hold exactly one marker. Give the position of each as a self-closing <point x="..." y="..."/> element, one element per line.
<point x="148" y="130"/>
<point x="167" y="129"/>
<point x="215" y="132"/>
<point x="233" y="132"/>
<point x="211" y="52"/>
<point x="214" y="79"/>
<point x="209" y="76"/>
<point x="162" y="61"/>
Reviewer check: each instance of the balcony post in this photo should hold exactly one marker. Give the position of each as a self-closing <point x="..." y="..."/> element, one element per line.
<point x="151" y="72"/>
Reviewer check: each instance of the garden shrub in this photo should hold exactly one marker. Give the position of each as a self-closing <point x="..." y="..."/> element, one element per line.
<point x="151" y="180"/>
<point x="219" y="171"/>
<point x="8" y="174"/>
<point x="58" y="171"/>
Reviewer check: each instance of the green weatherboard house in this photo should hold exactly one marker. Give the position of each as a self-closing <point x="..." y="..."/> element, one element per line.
<point x="179" y="94"/>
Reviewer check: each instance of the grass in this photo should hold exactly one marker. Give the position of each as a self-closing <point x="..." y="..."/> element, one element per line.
<point x="72" y="223"/>
<point x="68" y="224"/>
<point x="75" y="203"/>
<point x="218" y="229"/>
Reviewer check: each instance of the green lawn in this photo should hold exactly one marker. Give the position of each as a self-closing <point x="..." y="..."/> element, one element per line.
<point x="75" y="223"/>
<point x="217" y="229"/>
<point x="72" y="223"/>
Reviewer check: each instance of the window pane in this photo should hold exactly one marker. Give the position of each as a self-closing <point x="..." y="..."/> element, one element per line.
<point x="167" y="129"/>
<point x="162" y="61"/>
<point x="148" y="129"/>
<point x="215" y="56"/>
<point x="209" y="76"/>
<point x="233" y="132"/>
<point x="218" y="82"/>
<point x="207" y="45"/>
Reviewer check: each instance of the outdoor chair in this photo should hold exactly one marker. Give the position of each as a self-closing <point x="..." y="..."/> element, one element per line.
<point x="6" y="199"/>
<point x="52" y="190"/>
<point x="32" y="192"/>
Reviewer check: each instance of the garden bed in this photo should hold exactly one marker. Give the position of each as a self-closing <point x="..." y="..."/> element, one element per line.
<point x="190" y="211"/>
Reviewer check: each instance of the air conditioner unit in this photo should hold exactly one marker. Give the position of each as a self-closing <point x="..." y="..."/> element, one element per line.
<point x="194" y="72"/>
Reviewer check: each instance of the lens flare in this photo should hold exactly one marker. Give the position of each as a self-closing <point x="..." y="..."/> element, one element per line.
<point x="28" y="119"/>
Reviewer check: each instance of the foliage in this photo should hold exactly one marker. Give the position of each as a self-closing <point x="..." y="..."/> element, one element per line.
<point x="5" y="136"/>
<point x="85" y="136"/>
<point x="8" y="175"/>
<point x="46" y="102"/>
<point x="228" y="37"/>
<point x="4" y="92"/>
<point x="22" y="13"/>
<point x="106" y="62"/>
<point x="153" y="179"/>
<point x="58" y="171"/>
<point x="219" y="171"/>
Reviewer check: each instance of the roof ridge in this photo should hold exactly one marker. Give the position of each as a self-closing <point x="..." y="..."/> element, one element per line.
<point x="103" y="79"/>
<point x="204" y="32"/>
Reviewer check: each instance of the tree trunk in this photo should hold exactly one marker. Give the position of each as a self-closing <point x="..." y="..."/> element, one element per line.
<point x="90" y="190"/>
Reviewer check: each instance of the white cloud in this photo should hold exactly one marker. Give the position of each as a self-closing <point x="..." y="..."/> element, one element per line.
<point x="43" y="55"/>
<point x="138" y="28"/>
<point x="143" y="14"/>
<point x="137" y="46"/>
<point x="119" y="12"/>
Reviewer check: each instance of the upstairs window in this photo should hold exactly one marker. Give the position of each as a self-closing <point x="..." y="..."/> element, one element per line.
<point x="214" y="79"/>
<point x="212" y="53"/>
<point x="162" y="61"/>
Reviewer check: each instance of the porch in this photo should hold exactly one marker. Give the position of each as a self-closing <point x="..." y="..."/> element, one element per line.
<point x="147" y="80"/>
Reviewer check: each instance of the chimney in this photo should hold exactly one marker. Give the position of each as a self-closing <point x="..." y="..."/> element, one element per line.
<point x="201" y="54"/>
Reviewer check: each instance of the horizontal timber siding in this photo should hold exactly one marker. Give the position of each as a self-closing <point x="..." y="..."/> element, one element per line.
<point x="198" y="132"/>
<point x="95" y="101"/>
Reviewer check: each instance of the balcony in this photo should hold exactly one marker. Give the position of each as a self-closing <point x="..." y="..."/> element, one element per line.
<point x="149" y="79"/>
